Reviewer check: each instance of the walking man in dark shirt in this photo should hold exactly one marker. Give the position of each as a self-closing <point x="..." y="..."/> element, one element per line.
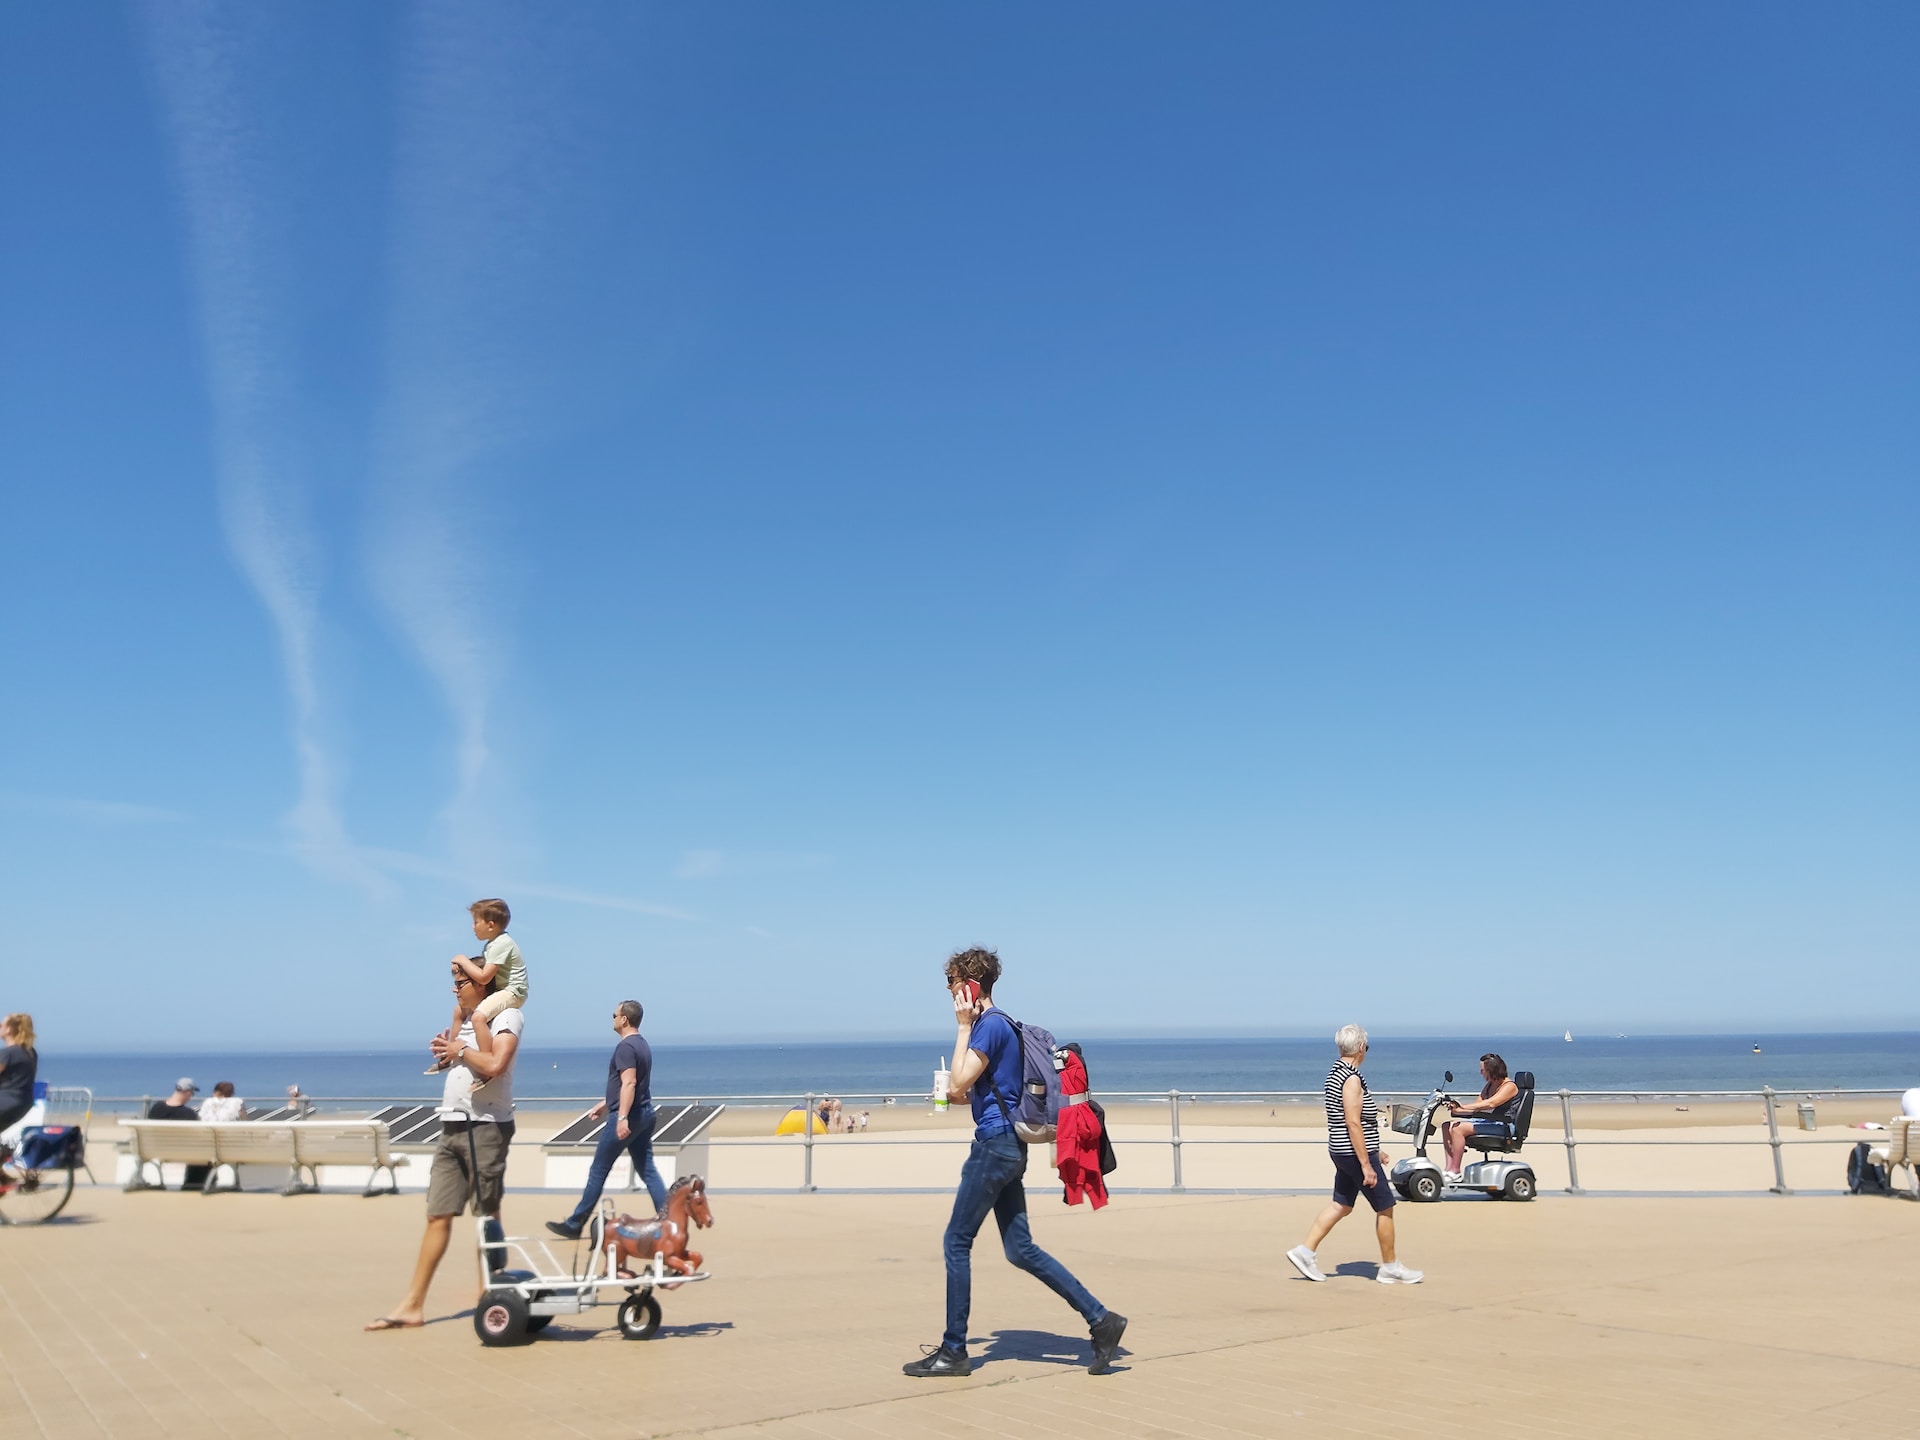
<point x="987" y="1069"/>
<point x="629" y="1111"/>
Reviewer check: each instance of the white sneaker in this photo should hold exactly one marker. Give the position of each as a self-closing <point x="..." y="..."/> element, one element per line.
<point x="1302" y="1259"/>
<point x="1398" y="1274"/>
<point x="1451" y="1177"/>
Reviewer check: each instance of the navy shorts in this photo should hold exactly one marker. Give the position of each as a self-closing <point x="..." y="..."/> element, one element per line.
<point x="1347" y="1186"/>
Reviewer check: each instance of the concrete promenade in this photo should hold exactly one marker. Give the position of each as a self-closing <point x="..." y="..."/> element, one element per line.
<point x="238" y="1315"/>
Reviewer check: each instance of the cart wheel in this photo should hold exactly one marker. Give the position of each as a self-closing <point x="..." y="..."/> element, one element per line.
<point x="501" y="1318"/>
<point x="1424" y="1187"/>
<point x="1519" y="1186"/>
<point x="639" y="1317"/>
<point x="537" y="1323"/>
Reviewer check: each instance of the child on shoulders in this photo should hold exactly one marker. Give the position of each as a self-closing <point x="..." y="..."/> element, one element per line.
<point x="499" y="965"/>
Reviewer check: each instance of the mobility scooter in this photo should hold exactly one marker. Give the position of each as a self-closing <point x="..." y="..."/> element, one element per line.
<point x="1418" y="1178"/>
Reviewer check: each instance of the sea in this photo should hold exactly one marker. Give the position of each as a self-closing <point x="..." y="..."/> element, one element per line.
<point x="903" y="1070"/>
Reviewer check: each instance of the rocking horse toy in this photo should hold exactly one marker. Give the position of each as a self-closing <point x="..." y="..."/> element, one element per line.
<point x="666" y="1235"/>
<point x="521" y="1301"/>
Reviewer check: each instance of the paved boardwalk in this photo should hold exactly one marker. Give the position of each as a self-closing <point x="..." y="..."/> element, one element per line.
<point x="169" y="1314"/>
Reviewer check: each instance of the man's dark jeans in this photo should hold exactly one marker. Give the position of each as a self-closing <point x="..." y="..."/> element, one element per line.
<point x="639" y="1146"/>
<point x="991" y="1180"/>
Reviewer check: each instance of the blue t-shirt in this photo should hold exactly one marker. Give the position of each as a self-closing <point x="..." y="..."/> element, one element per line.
<point x="632" y="1053"/>
<point x="993" y="1037"/>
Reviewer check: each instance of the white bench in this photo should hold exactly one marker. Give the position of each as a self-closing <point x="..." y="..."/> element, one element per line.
<point x="300" y="1145"/>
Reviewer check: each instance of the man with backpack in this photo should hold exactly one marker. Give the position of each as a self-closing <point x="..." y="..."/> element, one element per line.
<point x="991" y="1070"/>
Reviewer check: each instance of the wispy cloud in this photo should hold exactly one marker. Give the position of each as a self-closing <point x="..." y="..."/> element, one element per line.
<point x="480" y="156"/>
<point x="91" y="812"/>
<point x="712" y="864"/>
<point x="401" y="862"/>
<point x="205" y="59"/>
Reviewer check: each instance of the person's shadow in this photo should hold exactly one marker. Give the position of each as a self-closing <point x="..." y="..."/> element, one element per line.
<point x="1357" y="1269"/>
<point x="1042" y="1347"/>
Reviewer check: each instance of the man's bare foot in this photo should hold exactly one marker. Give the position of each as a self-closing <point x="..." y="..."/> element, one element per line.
<point x="391" y="1322"/>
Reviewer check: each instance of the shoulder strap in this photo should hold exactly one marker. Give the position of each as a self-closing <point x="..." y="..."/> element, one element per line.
<point x="992" y="1084"/>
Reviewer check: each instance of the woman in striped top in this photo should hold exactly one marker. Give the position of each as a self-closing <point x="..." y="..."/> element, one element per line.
<point x="1353" y="1139"/>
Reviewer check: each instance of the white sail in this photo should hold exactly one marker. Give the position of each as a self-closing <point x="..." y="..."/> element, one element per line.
<point x="1569" y="1037"/>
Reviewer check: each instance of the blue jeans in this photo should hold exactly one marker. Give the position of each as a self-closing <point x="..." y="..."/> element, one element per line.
<point x="991" y="1180"/>
<point x="638" y="1145"/>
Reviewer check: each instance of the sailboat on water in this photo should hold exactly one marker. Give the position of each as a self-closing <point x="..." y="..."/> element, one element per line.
<point x="1569" y="1037"/>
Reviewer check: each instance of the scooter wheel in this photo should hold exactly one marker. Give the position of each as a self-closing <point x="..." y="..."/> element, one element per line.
<point x="639" y="1317"/>
<point x="1519" y="1186"/>
<point x="501" y="1318"/>
<point x="1424" y="1187"/>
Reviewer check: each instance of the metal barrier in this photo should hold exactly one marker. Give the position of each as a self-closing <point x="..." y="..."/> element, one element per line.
<point x="1175" y="1141"/>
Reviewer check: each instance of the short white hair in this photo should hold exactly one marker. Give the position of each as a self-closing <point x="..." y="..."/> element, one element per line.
<point x="1351" y="1039"/>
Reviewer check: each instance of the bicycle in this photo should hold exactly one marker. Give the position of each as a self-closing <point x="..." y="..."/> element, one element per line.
<point x="36" y="1174"/>
<point x="36" y="1181"/>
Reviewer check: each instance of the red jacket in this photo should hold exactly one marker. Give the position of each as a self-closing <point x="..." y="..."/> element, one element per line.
<point x="1076" y="1146"/>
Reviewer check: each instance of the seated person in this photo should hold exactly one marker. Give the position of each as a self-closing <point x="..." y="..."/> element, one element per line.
<point x="223" y="1104"/>
<point x="179" y="1106"/>
<point x="1493" y="1107"/>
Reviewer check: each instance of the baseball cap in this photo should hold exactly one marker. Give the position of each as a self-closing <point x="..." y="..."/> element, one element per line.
<point x="185" y="1082"/>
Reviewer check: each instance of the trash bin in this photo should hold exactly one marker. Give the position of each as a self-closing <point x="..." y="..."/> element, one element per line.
<point x="1807" y="1121"/>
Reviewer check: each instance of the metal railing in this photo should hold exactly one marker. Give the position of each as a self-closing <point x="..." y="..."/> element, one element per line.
<point x="1175" y="1141"/>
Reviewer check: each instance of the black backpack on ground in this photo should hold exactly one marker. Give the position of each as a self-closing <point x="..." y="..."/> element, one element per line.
<point x="1864" y="1175"/>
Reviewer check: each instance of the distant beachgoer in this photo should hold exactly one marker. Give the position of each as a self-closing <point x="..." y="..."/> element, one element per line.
<point x="864" y="1114"/>
<point x="223" y="1104"/>
<point x="19" y="1063"/>
<point x="1359" y="1167"/>
<point x="499" y="967"/>
<point x="988" y="1070"/>
<point x="476" y="1127"/>
<point x="629" y="1108"/>
<point x="1496" y="1095"/>
<point x="299" y="1103"/>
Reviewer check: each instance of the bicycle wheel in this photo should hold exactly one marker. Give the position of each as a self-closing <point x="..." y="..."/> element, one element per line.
<point x="35" y="1196"/>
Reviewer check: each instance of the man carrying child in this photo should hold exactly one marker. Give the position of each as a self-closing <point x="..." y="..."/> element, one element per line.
<point x="476" y="1126"/>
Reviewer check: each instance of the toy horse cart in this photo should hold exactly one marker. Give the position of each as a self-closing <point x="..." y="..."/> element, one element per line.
<point x="520" y="1302"/>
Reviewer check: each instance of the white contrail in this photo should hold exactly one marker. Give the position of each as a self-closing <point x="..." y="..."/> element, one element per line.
<point x="203" y="56"/>
<point x="477" y="161"/>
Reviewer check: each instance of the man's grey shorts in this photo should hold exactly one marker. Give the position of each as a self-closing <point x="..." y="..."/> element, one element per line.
<point x="451" y="1184"/>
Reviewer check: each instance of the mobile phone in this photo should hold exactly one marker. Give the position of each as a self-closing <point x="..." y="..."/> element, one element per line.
<point x="971" y="989"/>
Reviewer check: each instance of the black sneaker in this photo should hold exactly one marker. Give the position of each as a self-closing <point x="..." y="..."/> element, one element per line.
<point x="1106" y="1340"/>
<point x="564" y="1230"/>
<point x="938" y="1360"/>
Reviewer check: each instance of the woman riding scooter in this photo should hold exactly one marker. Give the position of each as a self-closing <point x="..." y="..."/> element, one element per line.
<point x="1495" y="1096"/>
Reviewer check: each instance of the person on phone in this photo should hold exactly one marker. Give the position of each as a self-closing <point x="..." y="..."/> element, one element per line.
<point x="1353" y="1140"/>
<point x="987" y="1072"/>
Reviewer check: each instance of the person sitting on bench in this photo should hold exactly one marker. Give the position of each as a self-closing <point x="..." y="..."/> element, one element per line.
<point x="1491" y="1113"/>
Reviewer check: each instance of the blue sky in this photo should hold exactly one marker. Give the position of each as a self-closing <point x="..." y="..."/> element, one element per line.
<point x="1271" y="517"/>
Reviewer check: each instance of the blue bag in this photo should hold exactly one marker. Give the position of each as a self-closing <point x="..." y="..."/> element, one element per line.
<point x="51" y="1147"/>
<point x="1036" y="1113"/>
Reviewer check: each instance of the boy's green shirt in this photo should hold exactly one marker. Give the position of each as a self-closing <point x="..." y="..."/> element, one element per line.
<point x="501" y="951"/>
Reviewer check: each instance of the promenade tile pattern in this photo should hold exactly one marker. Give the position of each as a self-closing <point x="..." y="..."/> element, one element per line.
<point x="169" y="1314"/>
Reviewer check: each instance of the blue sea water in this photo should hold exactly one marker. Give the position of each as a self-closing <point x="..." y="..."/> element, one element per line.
<point x="1884" y="1060"/>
